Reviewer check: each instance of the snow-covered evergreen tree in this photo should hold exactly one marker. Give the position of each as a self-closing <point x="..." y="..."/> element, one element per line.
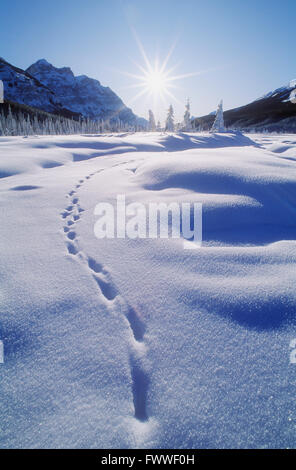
<point x="169" y="124"/>
<point x="218" y="125"/>
<point x="152" y="126"/>
<point x="158" y="127"/>
<point x="187" y="121"/>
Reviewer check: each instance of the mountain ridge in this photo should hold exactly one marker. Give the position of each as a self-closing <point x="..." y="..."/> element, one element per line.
<point x="57" y="90"/>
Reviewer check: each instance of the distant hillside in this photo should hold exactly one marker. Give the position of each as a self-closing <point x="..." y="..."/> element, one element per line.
<point x="273" y="112"/>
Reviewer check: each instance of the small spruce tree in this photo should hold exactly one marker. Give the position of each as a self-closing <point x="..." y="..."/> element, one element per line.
<point x="187" y="121"/>
<point x="218" y="125"/>
<point x="152" y="126"/>
<point x="170" y="125"/>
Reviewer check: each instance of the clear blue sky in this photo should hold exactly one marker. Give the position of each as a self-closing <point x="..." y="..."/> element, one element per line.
<point x="245" y="47"/>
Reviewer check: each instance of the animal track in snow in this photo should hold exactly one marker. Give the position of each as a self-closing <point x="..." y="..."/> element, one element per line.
<point x="71" y="235"/>
<point x="72" y="248"/>
<point x="94" y="265"/>
<point x="139" y="376"/>
<point x="136" y="324"/>
<point x="140" y="389"/>
<point x="107" y="289"/>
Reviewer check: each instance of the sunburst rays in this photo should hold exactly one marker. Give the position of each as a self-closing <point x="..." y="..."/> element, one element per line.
<point x="156" y="80"/>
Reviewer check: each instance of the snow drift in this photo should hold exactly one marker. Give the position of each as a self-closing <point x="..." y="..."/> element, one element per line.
<point x="140" y="343"/>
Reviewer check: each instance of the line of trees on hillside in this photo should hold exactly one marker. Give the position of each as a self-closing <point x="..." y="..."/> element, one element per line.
<point x="25" y="123"/>
<point x="20" y="123"/>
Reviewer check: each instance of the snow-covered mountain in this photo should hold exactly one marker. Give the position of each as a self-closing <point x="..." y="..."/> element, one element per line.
<point x="81" y="94"/>
<point x="272" y="112"/>
<point x="53" y="89"/>
<point x="273" y="93"/>
<point x="23" y="88"/>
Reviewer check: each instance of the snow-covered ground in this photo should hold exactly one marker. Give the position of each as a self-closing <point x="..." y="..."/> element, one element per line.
<point x="118" y="343"/>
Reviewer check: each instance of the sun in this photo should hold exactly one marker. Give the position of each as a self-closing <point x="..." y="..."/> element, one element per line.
<point x="156" y="82"/>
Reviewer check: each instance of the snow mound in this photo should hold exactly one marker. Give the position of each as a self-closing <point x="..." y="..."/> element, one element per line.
<point x="123" y="343"/>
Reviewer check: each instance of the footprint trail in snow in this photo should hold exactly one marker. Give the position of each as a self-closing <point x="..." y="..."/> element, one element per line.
<point x="71" y="215"/>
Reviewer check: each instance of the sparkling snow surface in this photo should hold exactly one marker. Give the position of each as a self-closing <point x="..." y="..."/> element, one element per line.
<point x="140" y="343"/>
